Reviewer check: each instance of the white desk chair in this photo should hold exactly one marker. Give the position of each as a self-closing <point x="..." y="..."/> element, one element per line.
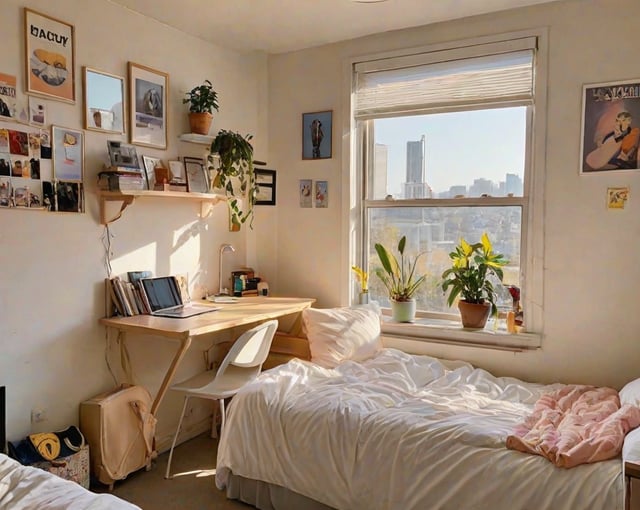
<point x="241" y="365"/>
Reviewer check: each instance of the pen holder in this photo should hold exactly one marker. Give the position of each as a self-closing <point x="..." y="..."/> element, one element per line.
<point x="263" y="289"/>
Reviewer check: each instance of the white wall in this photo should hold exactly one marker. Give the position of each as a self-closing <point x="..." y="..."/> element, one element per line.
<point x="52" y="265"/>
<point x="591" y="274"/>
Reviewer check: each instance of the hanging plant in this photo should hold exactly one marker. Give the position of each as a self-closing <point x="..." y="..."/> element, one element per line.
<point x="230" y="163"/>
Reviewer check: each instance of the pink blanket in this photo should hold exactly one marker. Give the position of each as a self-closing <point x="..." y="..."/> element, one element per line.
<point x="576" y="425"/>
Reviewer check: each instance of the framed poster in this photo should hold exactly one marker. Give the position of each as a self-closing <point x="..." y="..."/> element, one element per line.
<point x="103" y="101"/>
<point x="68" y="154"/>
<point x="148" y="90"/>
<point x="610" y="132"/>
<point x="266" y="182"/>
<point x="197" y="180"/>
<point x="316" y="135"/>
<point x="50" y="56"/>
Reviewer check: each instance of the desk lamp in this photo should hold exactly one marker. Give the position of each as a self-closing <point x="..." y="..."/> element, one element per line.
<point x="223" y="249"/>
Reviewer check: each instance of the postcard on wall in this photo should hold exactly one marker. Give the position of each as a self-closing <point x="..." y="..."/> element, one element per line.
<point x="617" y="197"/>
<point x="305" y="192"/>
<point x="610" y="127"/>
<point x="68" y="154"/>
<point x="37" y="111"/>
<point x="69" y="196"/>
<point x="6" y="195"/>
<point x="45" y="144"/>
<point x="49" y="195"/>
<point x="50" y="56"/>
<point x="18" y="143"/>
<point x="5" y="163"/>
<point x="4" y="140"/>
<point x="7" y="96"/>
<point x="322" y="194"/>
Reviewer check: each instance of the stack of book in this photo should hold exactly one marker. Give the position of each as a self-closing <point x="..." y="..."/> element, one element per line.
<point x="127" y="298"/>
<point x="117" y="178"/>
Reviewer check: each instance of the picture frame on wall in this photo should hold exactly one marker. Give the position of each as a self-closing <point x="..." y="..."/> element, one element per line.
<point x="49" y="56"/>
<point x="610" y="132"/>
<point x="148" y="92"/>
<point x="197" y="179"/>
<point x="68" y="154"/>
<point x="103" y="95"/>
<point x="317" y="128"/>
<point x="266" y="182"/>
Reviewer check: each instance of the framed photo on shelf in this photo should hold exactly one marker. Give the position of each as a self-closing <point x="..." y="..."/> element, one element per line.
<point x="68" y="154"/>
<point x="610" y="127"/>
<point x="266" y="181"/>
<point x="123" y="155"/>
<point x="103" y="101"/>
<point x="150" y="164"/>
<point x="197" y="179"/>
<point x="148" y="90"/>
<point x="50" y="56"/>
<point x="316" y="135"/>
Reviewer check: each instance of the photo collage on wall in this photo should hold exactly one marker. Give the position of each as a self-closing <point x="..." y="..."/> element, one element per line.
<point x="314" y="193"/>
<point x="22" y="151"/>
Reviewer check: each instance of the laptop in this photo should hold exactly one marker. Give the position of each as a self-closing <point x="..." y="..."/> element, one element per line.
<point x="165" y="300"/>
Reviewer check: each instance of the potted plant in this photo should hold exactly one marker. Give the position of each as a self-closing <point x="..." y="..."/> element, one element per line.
<point x="400" y="279"/>
<point x="230" y="163"/>
<point x="202" y="101"/>
<point x="470" y="278"/>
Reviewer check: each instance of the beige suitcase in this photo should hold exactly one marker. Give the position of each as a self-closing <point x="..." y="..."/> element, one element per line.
<point x="119" y="428"/>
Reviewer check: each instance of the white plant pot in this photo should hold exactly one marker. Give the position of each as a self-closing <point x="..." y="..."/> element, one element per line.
<point x="403" y="311"/>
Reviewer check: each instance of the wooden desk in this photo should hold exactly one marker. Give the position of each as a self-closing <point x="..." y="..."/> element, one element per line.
<point x="246" y="311"/>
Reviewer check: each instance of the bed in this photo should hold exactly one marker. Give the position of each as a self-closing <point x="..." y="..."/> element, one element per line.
<point x="389" y="430"/>
<point x="25" y="487"/>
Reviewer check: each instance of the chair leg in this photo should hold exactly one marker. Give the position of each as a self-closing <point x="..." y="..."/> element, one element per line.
<point x="214" y="430"/>
<point x="175" y="438"/>
<point x="222" y="417"/>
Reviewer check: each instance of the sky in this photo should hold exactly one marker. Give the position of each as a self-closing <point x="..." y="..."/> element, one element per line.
<point x="460" y="146"/>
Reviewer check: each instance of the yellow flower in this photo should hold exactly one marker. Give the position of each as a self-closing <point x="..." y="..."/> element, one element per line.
<point x="363" y="277"/>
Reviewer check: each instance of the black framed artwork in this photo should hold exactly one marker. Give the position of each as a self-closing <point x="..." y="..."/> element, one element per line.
<point x="266" y="182"/>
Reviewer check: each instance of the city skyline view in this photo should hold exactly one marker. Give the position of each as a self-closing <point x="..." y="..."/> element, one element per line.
<point x="485" y="147"/>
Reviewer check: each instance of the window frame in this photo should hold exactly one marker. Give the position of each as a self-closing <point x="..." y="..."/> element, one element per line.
<point x="532" y="202"/>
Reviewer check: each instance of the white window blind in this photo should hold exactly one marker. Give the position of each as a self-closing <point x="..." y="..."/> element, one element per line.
<point x="446" y="79"/>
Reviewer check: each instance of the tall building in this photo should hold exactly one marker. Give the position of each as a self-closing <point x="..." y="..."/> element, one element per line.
<point x="514" y="185"/>
<point x="415" y="185"/>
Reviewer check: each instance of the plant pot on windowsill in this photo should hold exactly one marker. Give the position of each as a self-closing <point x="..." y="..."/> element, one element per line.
<point x="474" y="315"/>
<point x="403" y="311"/>
<point x="200" y="123"/>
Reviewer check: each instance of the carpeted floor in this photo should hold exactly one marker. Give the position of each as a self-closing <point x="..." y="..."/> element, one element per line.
<point x="192" y="486"/>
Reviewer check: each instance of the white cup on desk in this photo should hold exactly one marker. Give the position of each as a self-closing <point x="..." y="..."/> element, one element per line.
<point x="263" y="289"/>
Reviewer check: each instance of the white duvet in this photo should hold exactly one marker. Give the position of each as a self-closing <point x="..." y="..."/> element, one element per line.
<point x="29" y="488"/>
<point x="401" y="432"/>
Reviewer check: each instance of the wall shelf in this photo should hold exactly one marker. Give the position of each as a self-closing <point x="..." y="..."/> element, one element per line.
<point x="126" y="198"/>
<point x="195" y="138"/>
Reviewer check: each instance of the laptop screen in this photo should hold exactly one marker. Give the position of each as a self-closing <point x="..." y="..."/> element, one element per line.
<point x="162" y="292"/>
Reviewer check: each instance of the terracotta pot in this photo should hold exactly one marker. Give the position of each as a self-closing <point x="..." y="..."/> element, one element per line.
<point x="200" y="122"/>
<point x="403" y="311"/>
<point x="474" y="315"/>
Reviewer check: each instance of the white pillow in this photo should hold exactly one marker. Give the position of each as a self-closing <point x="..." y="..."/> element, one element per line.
<point x="339" y="334"/>
<point x="630" y="394"/>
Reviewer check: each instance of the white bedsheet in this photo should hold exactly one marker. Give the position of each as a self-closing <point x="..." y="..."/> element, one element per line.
<point x="28" y="488"/>
<point x="401" y="432"/>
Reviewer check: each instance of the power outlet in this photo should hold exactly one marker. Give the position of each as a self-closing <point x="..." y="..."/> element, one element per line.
<point x="38" y="415"/>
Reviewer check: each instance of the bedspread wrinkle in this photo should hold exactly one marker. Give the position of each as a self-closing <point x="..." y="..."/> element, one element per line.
<point x="576" y="424"/>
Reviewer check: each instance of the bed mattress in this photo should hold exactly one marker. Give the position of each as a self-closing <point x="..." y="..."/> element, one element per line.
<point x="401" y="432"/>
<point x="29" y="488"/>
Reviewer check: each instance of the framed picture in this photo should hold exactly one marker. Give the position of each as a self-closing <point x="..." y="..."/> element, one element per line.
<point x="50" y="56"/>
<point x="305" y="192"/>
<point x="123" y="155"/>
<point x="322" y="194"/>
<point x="610" y="127"/>
<point x="68" y="154"/>
<point x="316" y="135"/>
<point x="150" y="164"/>
<point x="103" y="101"/>
<point x="148" y="91"/>
<point x="266" y="181"/>
<point x="197" y="180"/>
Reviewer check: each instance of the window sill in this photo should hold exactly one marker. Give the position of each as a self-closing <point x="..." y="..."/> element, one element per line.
<point x="452" y="332"/>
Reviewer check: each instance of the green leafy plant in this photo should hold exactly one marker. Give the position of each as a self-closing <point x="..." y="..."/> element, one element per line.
<point x="202" y="99"/>
<point x="398" y="276"/>
<point x="471" y="272"/>
<point x="230" y="161"/>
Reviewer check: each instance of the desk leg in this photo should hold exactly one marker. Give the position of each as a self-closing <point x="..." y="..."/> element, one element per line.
<point x="184" y="345"/>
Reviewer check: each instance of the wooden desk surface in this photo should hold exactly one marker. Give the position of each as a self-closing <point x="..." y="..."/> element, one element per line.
<point x="245" y="311"/>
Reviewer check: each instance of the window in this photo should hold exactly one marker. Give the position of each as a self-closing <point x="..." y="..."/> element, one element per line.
<point x="445" y="141"/>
